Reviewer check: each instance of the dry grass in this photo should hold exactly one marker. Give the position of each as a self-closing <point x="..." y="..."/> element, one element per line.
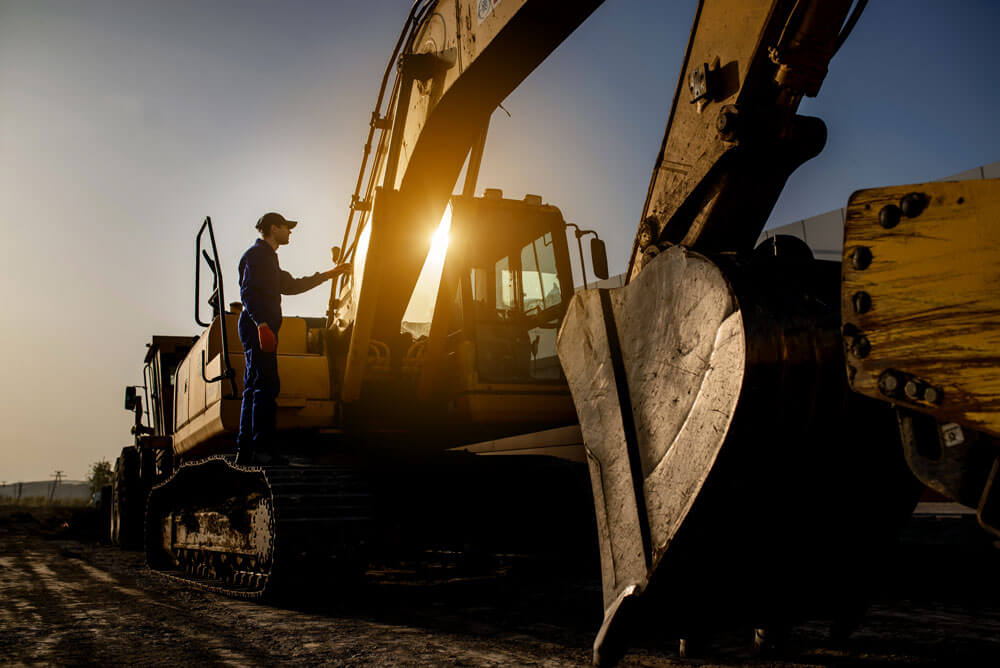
<point x="41" y="502"/>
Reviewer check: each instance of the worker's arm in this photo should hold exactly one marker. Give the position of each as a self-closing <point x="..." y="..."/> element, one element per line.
<point x="293" y="286"/>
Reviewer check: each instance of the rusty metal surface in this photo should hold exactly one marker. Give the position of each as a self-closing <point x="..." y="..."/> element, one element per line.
<point x="921" y="315"/>
<point x="920" y="303"/>
<point x="248" y="532"/>
<point x="710" y="394"/>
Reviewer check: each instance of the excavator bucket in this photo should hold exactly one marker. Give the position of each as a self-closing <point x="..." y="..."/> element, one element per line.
<point x="735" y="478"/>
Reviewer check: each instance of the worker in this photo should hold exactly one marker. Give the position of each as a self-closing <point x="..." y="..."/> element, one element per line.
<point x="262" y="282"/>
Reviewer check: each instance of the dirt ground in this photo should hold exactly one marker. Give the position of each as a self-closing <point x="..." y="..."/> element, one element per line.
<point x="66" y="599"/>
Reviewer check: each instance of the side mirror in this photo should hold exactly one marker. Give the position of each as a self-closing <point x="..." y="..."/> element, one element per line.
<point x="599" y="258"/>
<point x="335" y="253"/>
<point x="130" y="397"/>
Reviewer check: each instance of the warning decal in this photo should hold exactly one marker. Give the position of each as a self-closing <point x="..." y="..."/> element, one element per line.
<point x="486" y="8"/>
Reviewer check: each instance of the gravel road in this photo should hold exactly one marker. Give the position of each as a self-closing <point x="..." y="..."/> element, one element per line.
<point x="65" y="599"/>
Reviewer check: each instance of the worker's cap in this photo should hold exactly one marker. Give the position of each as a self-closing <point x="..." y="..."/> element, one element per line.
<point x="268" y="220"/>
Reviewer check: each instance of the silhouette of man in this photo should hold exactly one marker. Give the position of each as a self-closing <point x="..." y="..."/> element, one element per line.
<point x="262" y="282"/>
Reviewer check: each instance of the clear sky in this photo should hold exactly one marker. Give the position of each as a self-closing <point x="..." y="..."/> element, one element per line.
<point x="124" y="123"/>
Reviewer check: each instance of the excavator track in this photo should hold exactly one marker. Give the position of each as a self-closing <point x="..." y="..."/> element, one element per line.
<point x="254" y="532"/>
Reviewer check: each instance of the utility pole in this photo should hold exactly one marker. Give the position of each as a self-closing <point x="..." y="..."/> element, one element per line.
<point x="55" y="483"/>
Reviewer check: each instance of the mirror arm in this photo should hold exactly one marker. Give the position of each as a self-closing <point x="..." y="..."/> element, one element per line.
<point x="579" y="233"/>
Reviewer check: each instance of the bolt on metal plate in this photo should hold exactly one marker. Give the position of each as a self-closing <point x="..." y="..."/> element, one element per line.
<point x="889" y="216"/>
<point x="861" y="258"/>
<point x="888" y="383"/>
<point x="913" y="204"/>
<point x="862" y="302"/>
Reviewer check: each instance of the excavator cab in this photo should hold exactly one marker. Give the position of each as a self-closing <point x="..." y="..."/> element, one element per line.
<point x="512" y="298"/>
<point x="478" y="337"/>
<point x="508" y="289"/>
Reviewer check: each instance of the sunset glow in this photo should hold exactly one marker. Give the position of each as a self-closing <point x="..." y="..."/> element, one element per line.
<point x="421" y="306"/>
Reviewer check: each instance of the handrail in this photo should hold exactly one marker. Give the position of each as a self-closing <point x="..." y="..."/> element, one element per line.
<point x="146" y="379"/>
<point x="381" y="123"/>
<point x="218" y="302"/>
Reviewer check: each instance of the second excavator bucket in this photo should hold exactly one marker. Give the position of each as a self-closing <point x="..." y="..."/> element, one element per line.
<point x="735" y="478"/>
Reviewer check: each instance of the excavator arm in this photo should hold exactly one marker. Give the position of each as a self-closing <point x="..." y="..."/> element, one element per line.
<point x="733" y="138"/>
<point x="720" y="430"/>
<point x="462" y="59"/>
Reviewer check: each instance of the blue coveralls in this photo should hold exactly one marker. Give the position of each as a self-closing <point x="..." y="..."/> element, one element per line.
<point x="262" y="282"/>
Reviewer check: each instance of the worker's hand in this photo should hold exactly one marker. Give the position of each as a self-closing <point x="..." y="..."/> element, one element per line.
<point x="338" y="270"/>
<point x="268" y="341"/>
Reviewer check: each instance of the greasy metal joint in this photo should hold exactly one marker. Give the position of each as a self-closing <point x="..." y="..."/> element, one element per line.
<point x="913" y="204"/>
<point x="645" y="233"/>
<point x="889" y="216"/>
<point x="861" y="258"/>
<point x="808" y="41"/>
<point x="423" y="66"/>
<point x="902" y="385"/>
<point x="728" y="122"/>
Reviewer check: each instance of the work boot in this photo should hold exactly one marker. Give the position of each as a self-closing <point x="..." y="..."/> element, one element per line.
<point x="245" y="456"/>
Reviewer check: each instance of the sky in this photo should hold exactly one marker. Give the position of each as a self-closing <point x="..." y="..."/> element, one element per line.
<point x="123" y="123"/>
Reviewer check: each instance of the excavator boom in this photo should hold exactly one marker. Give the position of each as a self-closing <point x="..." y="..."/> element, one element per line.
<point x="465" y="57"/>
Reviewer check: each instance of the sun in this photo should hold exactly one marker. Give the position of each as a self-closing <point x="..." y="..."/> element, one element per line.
<point x="421" y="305"/>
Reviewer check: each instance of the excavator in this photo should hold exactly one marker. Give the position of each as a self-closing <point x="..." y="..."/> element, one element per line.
<point x="721" y="400"/>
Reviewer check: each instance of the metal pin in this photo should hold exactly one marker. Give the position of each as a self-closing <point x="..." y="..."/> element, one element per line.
<point x="861" y="258"/>
<point x="888" y="383"/>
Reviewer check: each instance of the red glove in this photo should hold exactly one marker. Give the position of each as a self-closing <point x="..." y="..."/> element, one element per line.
<point x="268" y="341"/>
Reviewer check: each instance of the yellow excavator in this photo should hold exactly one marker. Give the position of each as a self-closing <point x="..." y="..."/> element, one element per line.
<point x="713" y="392"/>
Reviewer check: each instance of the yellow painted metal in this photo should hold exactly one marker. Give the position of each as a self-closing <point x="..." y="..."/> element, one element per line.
<point x="933" y="283"/>
<point x="203" y="414"/>
<point x="732" y="136"/>
<point x="724" y="38"/>
<point x="384" y="225"/>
